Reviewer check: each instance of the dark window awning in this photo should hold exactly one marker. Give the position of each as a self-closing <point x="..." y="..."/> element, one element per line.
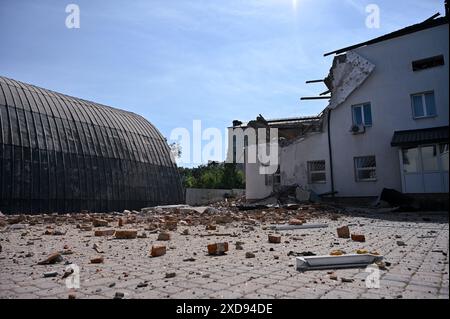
<point x="422" y="136"/>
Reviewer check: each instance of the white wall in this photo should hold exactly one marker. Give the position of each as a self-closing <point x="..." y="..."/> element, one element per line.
<point x="255" y="187"/>
<point x="294" y="158"/>
<point x="388" y="89"/>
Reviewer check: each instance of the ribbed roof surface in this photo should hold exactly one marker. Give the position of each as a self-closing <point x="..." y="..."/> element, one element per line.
<point x="63" y="153"/>
<point x="421" y="136"/>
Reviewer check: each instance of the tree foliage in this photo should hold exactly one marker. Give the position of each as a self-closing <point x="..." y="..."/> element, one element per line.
<point x="214" y="175"/>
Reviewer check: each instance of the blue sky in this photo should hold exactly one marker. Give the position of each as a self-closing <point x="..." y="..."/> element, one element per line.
<point x="175" y="61"/>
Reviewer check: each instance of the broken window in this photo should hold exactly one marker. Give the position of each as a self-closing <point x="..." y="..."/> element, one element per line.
<point x="362" y="114"/>
<point x="428" y="63"/>
<point x="277" y="178"/>
<point x="268" y="180"/>
<point x="423" y="105"/>
<point x="365" y="169"/>
<point x="273" y="179"/>
<point x="316" y="172"/>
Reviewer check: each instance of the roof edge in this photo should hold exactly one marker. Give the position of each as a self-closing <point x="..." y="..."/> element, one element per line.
<point x="427" y="24"/>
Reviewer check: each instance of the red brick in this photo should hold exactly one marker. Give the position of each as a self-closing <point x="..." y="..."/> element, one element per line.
<point x="97" y="260"/>
<point x="158" y="250"/>
<point x="358" y="237"/>
<point x="99" y="222"/>
<point x="295" y="221"/>
<point x="52" y="259"/>
<point x="104" y="232"/>
<point x="217" y="248"/>
<point x="126" y="234"/>
<point x="343" y="232"/>
<point x="274" y="239"/>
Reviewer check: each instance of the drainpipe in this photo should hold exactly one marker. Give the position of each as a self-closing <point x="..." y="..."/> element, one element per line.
<point x="330" y="153"/>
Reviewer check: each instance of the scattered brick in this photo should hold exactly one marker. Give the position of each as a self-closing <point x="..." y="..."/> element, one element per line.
<point x="104" y="232"/>
<point x="119" y="295"/>
<point x="274" y="239"/>
<point x="218" y="248"/>
<point x="211" y="227"/>
<point x="122" y="221"/>
<point x="52" y="259"/>
<point x="67" y="273"/>
<point x="97" y="260"/>
<point x="249" y="255"/>
<point x="343" y="232"/>
<point x="295" y="221"/>
<point x="358" y="237"/>
<point x="85" y="227"/>
<point x="171" y="225"/>
<point x="97" y="248"/>
<point x="96" y="222"/>
<point x="347" y="279"/>
<point x="50" y="274"/>
<point x="158" y="250"/>
<point x="126" y="234"/>
<point x="400" y="243"/>
<point x="164" y="236"/>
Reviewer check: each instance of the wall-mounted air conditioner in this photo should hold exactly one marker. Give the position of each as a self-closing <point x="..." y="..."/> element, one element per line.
<point x="357" y="129"/>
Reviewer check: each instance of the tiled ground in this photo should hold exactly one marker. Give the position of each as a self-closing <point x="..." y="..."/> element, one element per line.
<point x="417" y="270"/>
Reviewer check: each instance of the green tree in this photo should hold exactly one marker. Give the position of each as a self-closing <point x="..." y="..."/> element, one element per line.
<point x="214" y="175"/>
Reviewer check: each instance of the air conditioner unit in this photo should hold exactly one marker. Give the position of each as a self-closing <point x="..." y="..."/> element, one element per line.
<point x="358" y="129"/>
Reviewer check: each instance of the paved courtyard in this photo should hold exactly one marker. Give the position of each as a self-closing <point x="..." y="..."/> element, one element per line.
<point x="414" y="245"/>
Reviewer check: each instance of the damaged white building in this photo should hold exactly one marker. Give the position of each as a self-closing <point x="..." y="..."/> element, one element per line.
<point x="385" y="126"/>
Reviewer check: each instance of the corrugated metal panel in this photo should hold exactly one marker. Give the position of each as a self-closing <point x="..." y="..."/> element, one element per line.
<point x="421" y="136"/>
<point x="64" y="154"/>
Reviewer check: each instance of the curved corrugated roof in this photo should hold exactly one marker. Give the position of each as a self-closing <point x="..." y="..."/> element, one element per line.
<point x="128" y="156"/>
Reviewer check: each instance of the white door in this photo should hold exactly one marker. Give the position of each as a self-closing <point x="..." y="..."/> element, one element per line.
<point x="425" y="169"/>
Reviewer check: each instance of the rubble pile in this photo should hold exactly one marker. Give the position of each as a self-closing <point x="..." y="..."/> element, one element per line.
<point x="215" y="232"/>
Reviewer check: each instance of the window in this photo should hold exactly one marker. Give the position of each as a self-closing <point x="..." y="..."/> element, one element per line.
<point x="268" y="180"/>
<point x="273" y="179"/>
<point x="430" y="158"/>
<point x="362" y="114"/>
<point x="411" y="160"/>
<point x="428" y="63"/>
<point x="423" y="105"/>
<point x="316" y="172"/>
<point x="365" y="169"/>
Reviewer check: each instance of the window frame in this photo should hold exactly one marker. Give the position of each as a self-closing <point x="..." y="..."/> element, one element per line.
<point x="361" y="106"/>
<point x="357" y="169"/>
<point x="420" y="165"/>
<point x="274" y="179"/>
<point x="424" y="105"/>
<point x="311" y="172"/>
